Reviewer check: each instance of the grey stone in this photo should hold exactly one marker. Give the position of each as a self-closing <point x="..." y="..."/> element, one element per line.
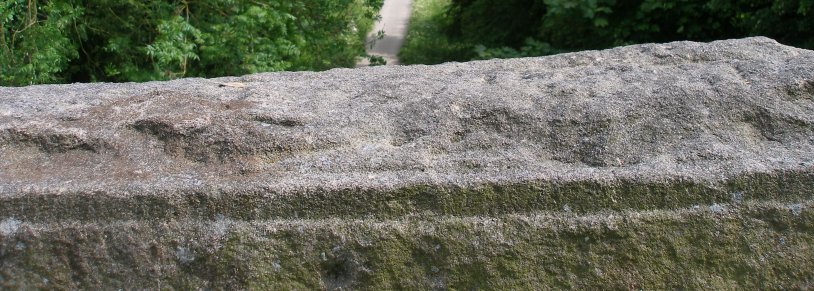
<point x="701" y="111"/>
<point x="294" y="161"/>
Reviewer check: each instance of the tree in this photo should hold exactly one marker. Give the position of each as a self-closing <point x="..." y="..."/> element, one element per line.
<point x="511" y="28"/>
<point x="140" y="40"/>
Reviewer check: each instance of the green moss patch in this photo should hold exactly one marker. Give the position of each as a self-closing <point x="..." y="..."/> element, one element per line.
<point x="748" y="245"/>
<point x="485" y="199"/>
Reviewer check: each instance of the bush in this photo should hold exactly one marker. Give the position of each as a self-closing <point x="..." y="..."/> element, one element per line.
<point x="510" y="28"/>
<point x="140" y="40"/>
<point x="34" y="47"/>
<point x="426" y="41"/>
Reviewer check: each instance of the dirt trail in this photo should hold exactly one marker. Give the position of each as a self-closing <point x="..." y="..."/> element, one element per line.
<point x="395" y="18"/>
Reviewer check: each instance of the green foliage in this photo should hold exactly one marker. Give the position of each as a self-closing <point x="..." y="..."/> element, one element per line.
<point x="427" y="41"/>
<point x="531" y="48"/>
<point x="492" y="23"/>
<point x="33" y="47"/>
<point x="141" y="40"/>
<point x="517" y="28"/>
<point x="248" y="38"/>
<point x="377" y="61"/>
<point x="174" y="46"/>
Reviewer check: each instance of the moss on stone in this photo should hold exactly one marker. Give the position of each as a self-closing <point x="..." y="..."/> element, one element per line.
<point x="484" y="199"/>
<point x="750" y="245"/>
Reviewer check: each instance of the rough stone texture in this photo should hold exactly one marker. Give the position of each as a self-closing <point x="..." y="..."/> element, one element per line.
<point x="654" y="166"/>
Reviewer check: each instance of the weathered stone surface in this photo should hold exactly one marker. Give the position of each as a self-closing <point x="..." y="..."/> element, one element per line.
<point x="651" y="166"/>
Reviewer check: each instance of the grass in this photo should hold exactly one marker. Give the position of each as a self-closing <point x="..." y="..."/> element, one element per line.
<point x="426" y="42"/>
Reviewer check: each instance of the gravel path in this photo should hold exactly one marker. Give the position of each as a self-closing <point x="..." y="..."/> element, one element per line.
<point x="395" y="17"/>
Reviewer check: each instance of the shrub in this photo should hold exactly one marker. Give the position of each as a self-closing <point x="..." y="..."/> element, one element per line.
<point x="140" y="40"/>
<point x="508" y="28"/>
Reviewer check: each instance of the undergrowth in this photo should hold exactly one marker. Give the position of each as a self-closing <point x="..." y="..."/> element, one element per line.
<point x="426" y="42"/>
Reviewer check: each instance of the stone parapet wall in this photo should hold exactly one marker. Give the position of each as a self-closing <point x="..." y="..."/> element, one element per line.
<point x="655" y="166"/>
